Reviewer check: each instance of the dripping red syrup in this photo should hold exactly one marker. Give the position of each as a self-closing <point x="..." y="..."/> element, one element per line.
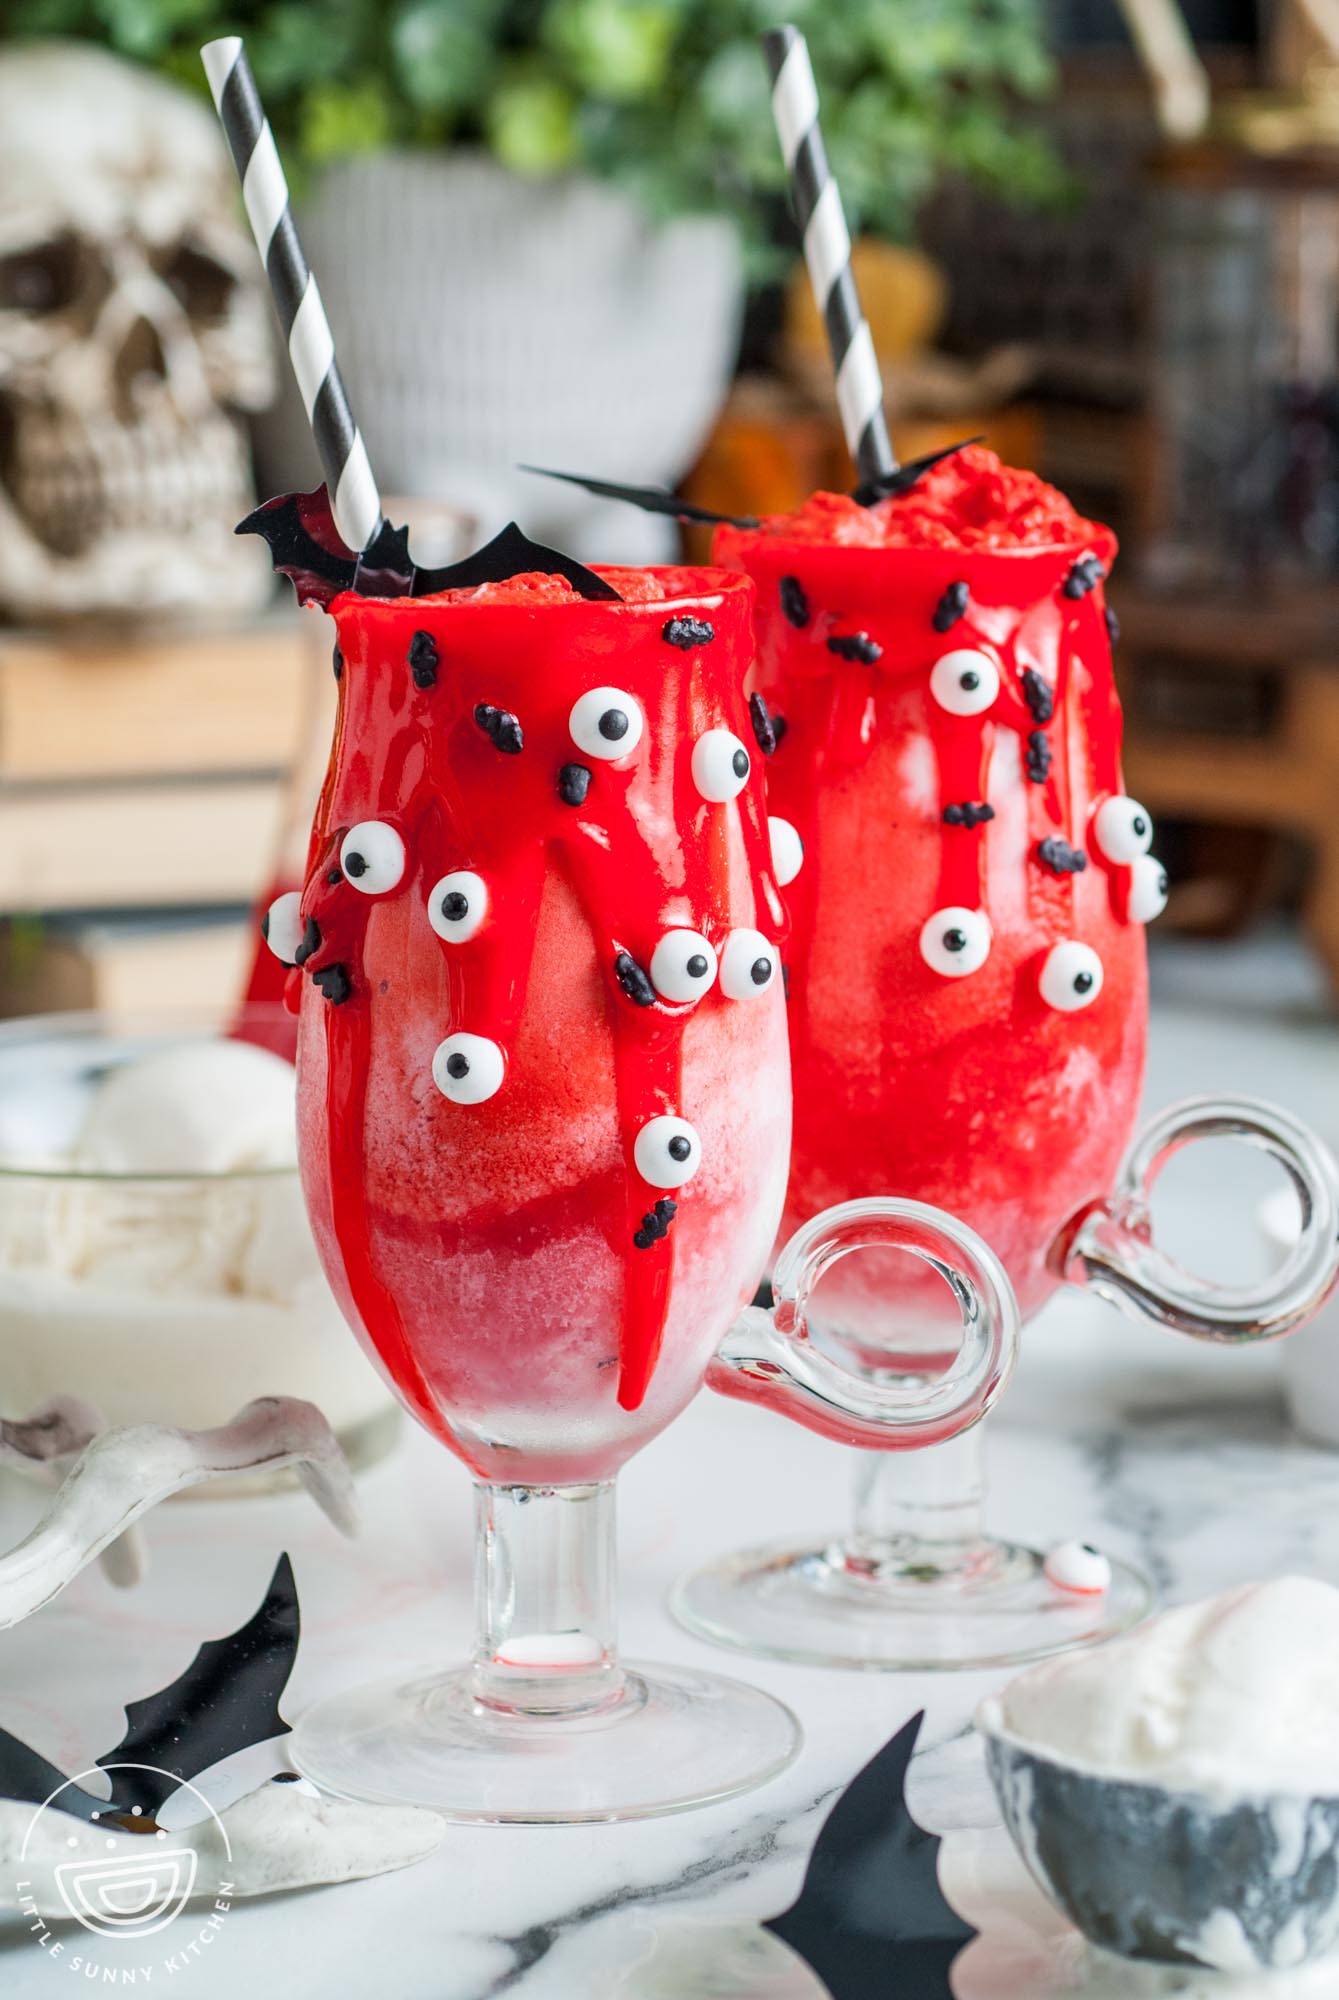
<point x="486" y="1254"/>
<point x="970" y="1093"/>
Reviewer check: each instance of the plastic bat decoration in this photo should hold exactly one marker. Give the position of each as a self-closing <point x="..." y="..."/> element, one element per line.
<point x="904" y="477"/>
<point x="305" y="546"/>
<point x="655" y="499"/>
<point x="871" y="1919"/>
<point x="227" y="1699"/>
<point x="651" y="499"/>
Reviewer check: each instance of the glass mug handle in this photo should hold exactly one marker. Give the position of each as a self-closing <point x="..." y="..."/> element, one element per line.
<point x="1108" y="1247"/>
<point x="768" y="1358"/>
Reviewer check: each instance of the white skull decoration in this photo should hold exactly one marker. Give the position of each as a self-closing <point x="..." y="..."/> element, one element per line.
<point x="133" y="334"/>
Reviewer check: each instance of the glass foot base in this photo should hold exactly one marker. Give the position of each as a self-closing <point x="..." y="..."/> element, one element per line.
<point x="834" y="1606"/>
<point x="672" y="1738"/>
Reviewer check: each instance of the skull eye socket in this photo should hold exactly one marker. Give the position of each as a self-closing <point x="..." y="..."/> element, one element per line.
<point x="201" y="285"/>
<point x="44" y="278"/>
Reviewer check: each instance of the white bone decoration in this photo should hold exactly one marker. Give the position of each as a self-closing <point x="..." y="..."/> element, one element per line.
<point x="123" y="1473"/>
<point x="134" y="338"/>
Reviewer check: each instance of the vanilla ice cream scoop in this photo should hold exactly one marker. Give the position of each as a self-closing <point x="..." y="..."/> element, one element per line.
<point x="206" y="1107"/>
<point x="1238" y="1695"/>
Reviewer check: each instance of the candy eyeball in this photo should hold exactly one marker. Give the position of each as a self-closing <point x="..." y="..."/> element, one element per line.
<point x="965" y="682"/>
<point x="1071" y="976"/>
<point x="1122" y="829"/>
<point x="683" y="966"/>
<point x="1079" y="1568"/>
<point x="606" y="723"/>
<point x="282" y="926"/>
<point x="956" y="941"/>
<point x="667" y="1152"/>
<point x="1148" y="889"/>
<point x="720" y="766"/>
<point x="468" y="1068"/>
<point x="787" y="850"/>
<point x="748" y="965"/>
<point x="457" y="905"/>
<point x="372" y="857"/>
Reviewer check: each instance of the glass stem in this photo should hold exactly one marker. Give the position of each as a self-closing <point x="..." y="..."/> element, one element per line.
<point x="921" y="1509"/>
<point x="545" y="1562"/>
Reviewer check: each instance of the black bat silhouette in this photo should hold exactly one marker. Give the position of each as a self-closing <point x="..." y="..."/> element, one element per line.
<point x="656" y="500"/>
<point x="905" y="476"/>
<point x="305" y="546"/>
<point x="651" y="499"/>
<point x="871" y="1919"/>
<point x="26" y="1776"/>
<point x="227" y="1699"/>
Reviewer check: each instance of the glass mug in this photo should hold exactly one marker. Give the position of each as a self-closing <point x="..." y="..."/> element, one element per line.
<point x="543" y="1125"/>
<point x="968" y="1017"/>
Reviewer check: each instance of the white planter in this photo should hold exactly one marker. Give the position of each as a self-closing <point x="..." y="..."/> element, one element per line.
<point x="483" y="320"/>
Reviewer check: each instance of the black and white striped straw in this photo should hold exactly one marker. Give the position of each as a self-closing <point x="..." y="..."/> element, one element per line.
<point x="817" y="202"/>
<point x="354" y="499"/>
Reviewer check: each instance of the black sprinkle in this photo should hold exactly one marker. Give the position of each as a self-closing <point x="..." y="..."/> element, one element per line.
<point x="779" y="726"/>
<point x="335" y="875"/>
<point x="794" y="603"/>
<point x="655" y="1223"/>
<point x="951" y="607"/>
<point x="634" y="980"/>
<point x="501" y="728"/>
<point x="334" y="982"/>
<point x="785" y="980"/>
<point x="573" y="784"/>
<point x="1038" y="757"/>
<point x="337" y="662"/>
<point x="1113" y="624"/>
<point x="764" y="729"/>
<point x="423" y="659"/>
<point x="685" y="633"/>
<point x="1084" y="575"/>
<point x="311" y="941"/>
<point x="1060" y="857"/>
<point x="971" y="812"/>
<point x="1039" y="696"/>
<point x="856" y="646"/>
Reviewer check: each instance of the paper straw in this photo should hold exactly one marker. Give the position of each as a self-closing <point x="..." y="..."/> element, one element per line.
<point x="354" y="499"/>
<point x="817" y="202"/>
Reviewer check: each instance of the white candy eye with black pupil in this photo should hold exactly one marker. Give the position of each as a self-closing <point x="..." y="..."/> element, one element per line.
<point x="372" y="857"/>
<point x="457" y="905"/>
<point x="1071" y="976"/>
<point x="1122" y="829"/>
<point x="683" y="966"/>
<point x="1148" y="889"/>
<point x="1078" y="1567"/>
<point x="956" y="941"/>
<point x="787" y="850"/>
<point x="965" y="682"/>
<point x="468" y="1068"/>
<point x="748" y="965"/>
<point x="667" y="1152"/>
<point x="606" y="723"/>
<point x="720" y="766"/>
<point x="282" y="927"/>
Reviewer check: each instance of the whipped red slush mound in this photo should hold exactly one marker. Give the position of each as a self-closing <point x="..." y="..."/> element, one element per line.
<point x="967" y="983"/>
<point x="543" y="1103"/>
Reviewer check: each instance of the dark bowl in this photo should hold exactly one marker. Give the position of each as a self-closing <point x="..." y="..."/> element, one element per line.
<point x="1167" y="1876"/>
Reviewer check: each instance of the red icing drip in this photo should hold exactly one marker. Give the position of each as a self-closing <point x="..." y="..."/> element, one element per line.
<point x="969" y="1093"/>
<point x="443" y="1225"/>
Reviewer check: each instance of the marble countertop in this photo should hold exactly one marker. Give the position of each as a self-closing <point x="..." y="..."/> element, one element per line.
<point x="1176" y="1457"/>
